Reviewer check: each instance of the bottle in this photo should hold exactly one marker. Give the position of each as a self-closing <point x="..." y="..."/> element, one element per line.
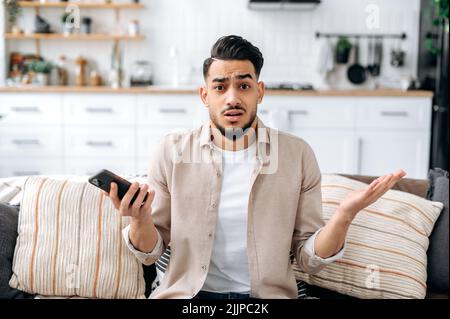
<point x="133" y="28"/>
<point x="80" y="74"/>
<point x="63" y="75"/>
<point x="95" y="78"/>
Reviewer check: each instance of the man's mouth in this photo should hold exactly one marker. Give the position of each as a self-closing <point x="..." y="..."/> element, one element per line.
<point x="233" y="115"/>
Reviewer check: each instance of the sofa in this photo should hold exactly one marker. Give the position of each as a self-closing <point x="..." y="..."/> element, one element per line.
<point x="437" y="268"/>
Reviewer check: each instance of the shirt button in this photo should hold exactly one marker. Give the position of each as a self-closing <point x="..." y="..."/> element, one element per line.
<point x="218" y="174"/>
<point x="203" y="267"/>
<point x="213" y="205"/>
<point x="210" y="235"/>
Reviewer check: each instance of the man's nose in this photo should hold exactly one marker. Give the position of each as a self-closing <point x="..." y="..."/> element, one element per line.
<point x="232" y="98"/>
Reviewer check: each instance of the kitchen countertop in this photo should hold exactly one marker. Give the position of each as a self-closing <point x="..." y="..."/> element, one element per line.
<point x="194" y="90"/>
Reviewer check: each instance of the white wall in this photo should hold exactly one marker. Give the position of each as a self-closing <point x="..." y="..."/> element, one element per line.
<point x="287" y="39"/>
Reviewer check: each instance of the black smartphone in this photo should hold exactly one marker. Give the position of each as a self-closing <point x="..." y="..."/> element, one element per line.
<point x="104" y="178"/>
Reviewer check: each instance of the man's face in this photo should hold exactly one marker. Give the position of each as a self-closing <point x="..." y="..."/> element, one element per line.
<point x="232" y="94"/>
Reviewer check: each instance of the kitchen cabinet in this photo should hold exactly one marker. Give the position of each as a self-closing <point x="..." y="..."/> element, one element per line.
<point x="80" y="133"/>
<point x="381" y="152"/>
<point x="334" y="149"/>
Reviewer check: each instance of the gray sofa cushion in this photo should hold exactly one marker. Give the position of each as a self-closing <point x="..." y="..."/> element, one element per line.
<point x="438" y="251"/>
<point x="8" y="234"/>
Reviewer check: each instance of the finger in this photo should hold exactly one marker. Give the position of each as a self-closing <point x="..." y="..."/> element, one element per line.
<point x="125" y="203"/>
<point x="113" y="195"/>
<point x="148" y="202"/>
<point x="396" y="178"/>
<point x="375" y="182"/>
<point x="140" y="198"/>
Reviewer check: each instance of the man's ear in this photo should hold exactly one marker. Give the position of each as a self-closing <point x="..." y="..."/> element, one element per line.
<point x="203" y="91"/>
<point x="261" y="90"/>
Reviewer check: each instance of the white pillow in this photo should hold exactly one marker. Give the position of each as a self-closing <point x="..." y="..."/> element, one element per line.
<point x="70" y="244"/>
<point x="386" y="254"/>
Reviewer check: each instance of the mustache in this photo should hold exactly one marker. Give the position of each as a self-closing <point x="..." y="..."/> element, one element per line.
<point x="236" y="107"/>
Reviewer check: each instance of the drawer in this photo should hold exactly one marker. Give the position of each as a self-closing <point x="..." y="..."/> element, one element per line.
<point x="124" y="166"/>
<point x="99" y="109"/>
<point x="287" y="113"/>
<point x="18" y="166"/>
<point x="30" y="109"/>
<point x="182" y="111"/>
<point x="99" y="141"/>
<point x="149" y="137"/>
<point x="18" y="140"/>
<point x="394" y="113"/>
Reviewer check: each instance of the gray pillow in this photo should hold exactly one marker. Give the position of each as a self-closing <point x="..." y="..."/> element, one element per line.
<point x="438" y="251"/>
<point x="8" y="234"/>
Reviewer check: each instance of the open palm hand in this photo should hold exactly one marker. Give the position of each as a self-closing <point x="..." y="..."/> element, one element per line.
<point x="359" y="199"/>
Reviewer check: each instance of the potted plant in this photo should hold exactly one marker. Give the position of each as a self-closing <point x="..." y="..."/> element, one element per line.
<point x="343" y="48"/>
<point x="42" y="70"/>
<point x="440" y="8"/>
<point x="14" y="10"/>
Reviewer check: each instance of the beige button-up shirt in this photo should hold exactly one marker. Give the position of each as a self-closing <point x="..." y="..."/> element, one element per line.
<point x="284" y="211"/>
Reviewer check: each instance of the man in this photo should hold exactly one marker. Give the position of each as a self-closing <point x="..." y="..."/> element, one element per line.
<point x="233" y="199"/>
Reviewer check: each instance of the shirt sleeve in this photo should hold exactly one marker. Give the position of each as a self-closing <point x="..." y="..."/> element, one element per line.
<point x="145" y="258"/>
<point x="309" y="214"/>
<point x="310" y="250"/>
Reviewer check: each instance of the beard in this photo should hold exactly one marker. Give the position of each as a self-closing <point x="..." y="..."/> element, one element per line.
<point x="234" y="133"/>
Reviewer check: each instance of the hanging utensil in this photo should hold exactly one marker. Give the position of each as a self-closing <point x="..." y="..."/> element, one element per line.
<point x="378" y="57"/>
<point x="356" y="73"/>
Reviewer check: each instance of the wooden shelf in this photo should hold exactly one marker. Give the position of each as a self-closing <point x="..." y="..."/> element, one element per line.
<point x="37" y="4"/>
<point x="59" y="36"/>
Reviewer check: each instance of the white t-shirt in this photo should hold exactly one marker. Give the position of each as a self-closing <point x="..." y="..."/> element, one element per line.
<point x="228" y="269"/>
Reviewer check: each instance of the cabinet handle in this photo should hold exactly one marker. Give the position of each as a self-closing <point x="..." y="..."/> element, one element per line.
<point x="170" y="110"/>
<point x="298" y="112"/>
<point x="24" y="173"/>
<point x="26" y="142"/>
<point x="99" y="143"/>
<point x="394" y="113"/>
<point x="99" y="110"/>
<point x="29" y="109"/>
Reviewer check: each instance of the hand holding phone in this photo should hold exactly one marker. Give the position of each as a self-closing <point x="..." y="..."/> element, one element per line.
<point x="128" y="198"/>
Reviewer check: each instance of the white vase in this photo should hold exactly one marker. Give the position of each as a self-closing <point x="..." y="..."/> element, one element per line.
<point x="42" y="79"/>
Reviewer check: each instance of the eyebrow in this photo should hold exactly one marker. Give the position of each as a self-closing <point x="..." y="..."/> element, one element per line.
<point x="239" y="77"/>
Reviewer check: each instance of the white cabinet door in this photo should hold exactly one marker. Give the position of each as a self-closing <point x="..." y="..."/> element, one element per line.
<point x="123" y="166"/>
<point x="171" y="110"/>
<point x="394" y="113"/>
<point x="30" y="109"/>
<point x="99" y="109"/>
<point x="92" y="141"/>
<point x="292" y="113"/>
<point x="19" y="166"/>
<point x="149" y="137"/>
<point x="31" y="141"/>
<point x="384" y="152"/>
<point x="335" y="150"/>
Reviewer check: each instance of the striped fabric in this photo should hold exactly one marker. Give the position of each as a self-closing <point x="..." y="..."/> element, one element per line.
<point x="8" y="191"/>
<point x="386" y="244"/>
<point x="70" y="243"/>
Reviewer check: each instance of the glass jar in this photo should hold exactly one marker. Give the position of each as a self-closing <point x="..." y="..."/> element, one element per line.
<point x="141" y="74"/>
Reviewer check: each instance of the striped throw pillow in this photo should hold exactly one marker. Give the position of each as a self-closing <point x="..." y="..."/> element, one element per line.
<point x="70" y="243"/>
<point x="386" y="253"/>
